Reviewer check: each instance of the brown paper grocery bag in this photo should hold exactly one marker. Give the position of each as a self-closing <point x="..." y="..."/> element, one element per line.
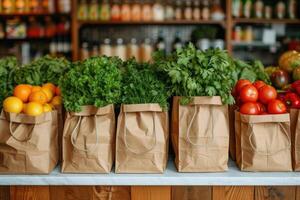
<point x="142" y="139"/>
<point x="263" y="142"/>
<point x="88" y="140"/>
<point x="295" y="132"/>
<point x="231" y="115"/>
<point x="28" y="145"/>
<point x="200" y="135"/>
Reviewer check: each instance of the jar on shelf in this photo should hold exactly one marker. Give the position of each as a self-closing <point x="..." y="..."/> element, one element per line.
<point x="82" y="12"/>
<point x="146" y="11"/>
<point x="169" y="11"/>
<point x="20" y="6"/>
<point x="280" y="9"/>
<point x="64" y="6"/>
<point x="106" y="48"/>
<point x="125" y="11"/>
<point x="178" y="10"/>
<point x="292" y="9"/>
<point x="116" y="11"/>
<point x="95" y="50"/>
<point x="268" y="11"/>
<point x="205" y="10"/>
<point x="50" y="30"/>
<point x="247" y="8"/>
<point x="258" y="9"/>
<point x="120" y="49"/>
<point x="94" y="10"/>
<point x="217" y="12"/>
<point x="237" y="34"/>
<point x="105" y="11"/>
<point x="8" y="6"/>
<point x="237" y="8"/>
<point x="188" y="12"/>
<point x="158" y="11"/>
<point x="248" y="34"/>
<point x="196" y="10"/>
<point x="84" y="51"/>
<point x="133" y="50"/>
<point x="136" y="11"/>
<point x="146" y="50"/>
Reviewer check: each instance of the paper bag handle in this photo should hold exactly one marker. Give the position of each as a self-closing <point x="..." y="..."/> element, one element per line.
<point x="192" y="121"/>
<point x="154" y="133"/>
<point x="12" y="133"/>
<point x="74" y="135"/>
<point x="271" y="153"/>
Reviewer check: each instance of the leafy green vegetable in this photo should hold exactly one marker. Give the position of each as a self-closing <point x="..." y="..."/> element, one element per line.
<point x="95" y="81"/>
<point x="8" y="67"/>
<point x="190" y="72"/>
<point x="42" y="70"/>
<point x="253" y="71"/>
<point x="140" y="84"/>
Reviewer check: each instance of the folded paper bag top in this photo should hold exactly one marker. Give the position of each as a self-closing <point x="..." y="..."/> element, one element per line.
<point x="92" y="110"/>
<point x="127" y="108"/>
<point x="26" y="119"/>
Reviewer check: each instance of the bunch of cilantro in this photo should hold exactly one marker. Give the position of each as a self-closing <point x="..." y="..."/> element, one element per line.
<point x="140" y="84"/>
<point x="8" y="68"/>
<point x="190" y="72"/>
<point x="95" y="81"/>
<point x="42" y="70"/>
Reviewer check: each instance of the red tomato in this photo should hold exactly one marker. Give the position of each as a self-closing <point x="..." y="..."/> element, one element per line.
<point x="266" y="94"/>
<point x="249" y="108"/>
<point x="276" y="107"/>
<point x="248" y="94"/>
<point x="261" y="108"/>
<point x="259" y="84"/>
<point x="240" y="84"/>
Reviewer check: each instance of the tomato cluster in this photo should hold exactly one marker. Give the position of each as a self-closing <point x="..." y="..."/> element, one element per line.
<point x="257" y="98"/>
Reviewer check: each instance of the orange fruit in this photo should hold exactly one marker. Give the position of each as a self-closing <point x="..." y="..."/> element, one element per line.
<point x="39" y="97"/>
<point x="57" y="91"/>
<point x="56" y="101"/>
<point x="24" y="108"/>
<point x="13" y="105"/>
<point x="48" y="93"/>
<point x="36" y="89"/>
<point x="50" y="86"/>
<point x="22" y="92"/>
<point x="34" y="109"/>
<point x="47" y="108"/>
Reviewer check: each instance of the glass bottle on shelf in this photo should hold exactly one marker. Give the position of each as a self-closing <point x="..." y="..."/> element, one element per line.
<point x="169" y="11"/>
<point x="20" y="6"/>
<point x="158" y="11"/>
<point x="8" y="6"/>
<point x="116" y="11"/>
<point x="146" y="11"/>
<point x="248" y="34"/>
<point x="268" y="10"/>
<point x="160" y="44"/>
<point x="178" y="10"/>
<point x="177" y="43"/>
<point x="217" y="12"/>
<point x="247" y="7"/>
<point x="105" y="11"/>
<point x="120" y="49"/>
<point x="106" y="48"/>
<point x="236" y="8"/>
<point x="94" y="10"/>
<point x="188" y="12"/>
<point x="82" y="12"/>
<point x="146" y="50"/>
<point x="136" y="11"/>
<point x="125" y="11"/>
<point x="84" y="52"/>
<point x="205" y="10"/>
<point x="196" y="10"/>
<point x="95" y="50"/>
<point x="292" y="9"/>
<point x="133" y="50"/>
<point x="258" y="8"/>
<point x="280" y="9"/>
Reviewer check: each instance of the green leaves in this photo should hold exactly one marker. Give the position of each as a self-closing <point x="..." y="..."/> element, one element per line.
<point x="189" y="72"/>
<point x="95" y="81"/>
<point x="140" y="84"/>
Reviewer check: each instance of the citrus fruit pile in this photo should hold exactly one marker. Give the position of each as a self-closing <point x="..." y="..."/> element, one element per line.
<point x="33" y="100"/>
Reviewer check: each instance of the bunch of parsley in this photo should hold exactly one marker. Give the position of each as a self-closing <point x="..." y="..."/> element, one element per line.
<point x="95" y="81"/>
<point x="190" y="72"/>
<point x="42" y="70"/>
<point x="8" y="67"/>
<point x="140" y="84"/>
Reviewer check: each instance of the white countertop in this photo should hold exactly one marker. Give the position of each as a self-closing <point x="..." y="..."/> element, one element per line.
<point x="171" y="177"/>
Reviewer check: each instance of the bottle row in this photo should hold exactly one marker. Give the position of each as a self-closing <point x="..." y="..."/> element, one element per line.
<point x="117" y="10"/>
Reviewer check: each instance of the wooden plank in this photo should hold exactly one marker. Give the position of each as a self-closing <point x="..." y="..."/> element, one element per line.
<point x="70" y="193"/>
<point x="4" y="193"/>
<point x="29" y="193"/>
<point x="150" y="193"/>
<point x="275" y="193"/>
<point x="191" y="193"/>
<point x="233" y="192"/>
<point x="111" y="193"/>
<point x="298" y="193"/>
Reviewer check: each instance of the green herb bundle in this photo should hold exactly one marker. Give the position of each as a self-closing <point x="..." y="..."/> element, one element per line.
<point x="95" y="81"/>
<point x="190" y="72"/>
<point x="140" y="85"/>
<point x="252" y="71"/>
<point x="42" y="70"/>
<point x="8" y="67"/>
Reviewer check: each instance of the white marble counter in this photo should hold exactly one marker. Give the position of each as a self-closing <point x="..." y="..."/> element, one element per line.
<point x="170" y="177"/>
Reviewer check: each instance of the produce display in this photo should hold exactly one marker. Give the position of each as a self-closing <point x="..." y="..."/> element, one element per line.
<point x="258" y="98"/>
<point x="33" y="100"/>
<point x="95" y="81"/>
